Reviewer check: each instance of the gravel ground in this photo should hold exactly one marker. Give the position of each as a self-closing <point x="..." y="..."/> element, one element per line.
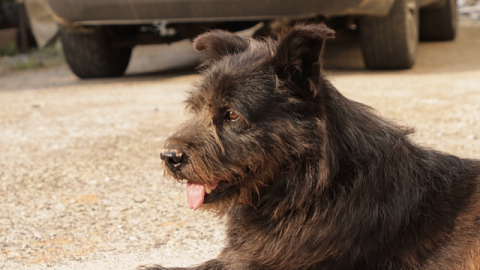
<point x="80" y="178"/>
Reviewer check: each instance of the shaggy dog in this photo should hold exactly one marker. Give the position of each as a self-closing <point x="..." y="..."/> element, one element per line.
<point x="309" y="179"/>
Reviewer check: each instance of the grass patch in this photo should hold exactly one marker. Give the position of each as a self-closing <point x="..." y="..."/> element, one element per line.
<point x="49" y="56"/>
<point x="30" y="63"/>
<point x="8" y="50"/>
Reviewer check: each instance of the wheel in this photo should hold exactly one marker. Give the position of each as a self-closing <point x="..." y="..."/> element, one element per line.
<point x="390" y="42"/>
<point x="439" y="23"/>
<point x="90" y="55"/>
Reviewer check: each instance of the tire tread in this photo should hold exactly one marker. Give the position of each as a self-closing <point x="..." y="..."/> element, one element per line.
<point x="439" y="23"/>
<point x="89" y="55"/>
<point x="385" y="40"/>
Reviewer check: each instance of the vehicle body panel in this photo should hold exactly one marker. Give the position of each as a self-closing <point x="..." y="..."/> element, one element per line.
<point x="94" y="12"/>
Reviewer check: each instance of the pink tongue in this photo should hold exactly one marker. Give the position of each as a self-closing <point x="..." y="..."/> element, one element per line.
<point x="195" y="195"/>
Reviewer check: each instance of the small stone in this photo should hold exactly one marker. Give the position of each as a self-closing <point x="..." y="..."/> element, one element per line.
<point x="12" y="255"/>
<point x="93" y="182"/>
<point x="139" y="199"/>
<point x="159" y="244"/>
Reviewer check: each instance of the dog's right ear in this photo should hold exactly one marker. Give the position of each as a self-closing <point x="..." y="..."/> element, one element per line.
<point x="218" y="43"/>
<point x="297" y="59"/>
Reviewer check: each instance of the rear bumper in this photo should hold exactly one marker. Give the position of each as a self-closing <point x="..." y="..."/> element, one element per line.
<point x="92" y="12"/>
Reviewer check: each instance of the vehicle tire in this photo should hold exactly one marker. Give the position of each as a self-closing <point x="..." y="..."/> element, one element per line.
<point x="90" y="55"/>
<point x="439" y="23"/>
<point x="391" y="42"/>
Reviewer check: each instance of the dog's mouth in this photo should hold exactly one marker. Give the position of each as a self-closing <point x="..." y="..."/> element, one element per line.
<point x="198" y="194"/>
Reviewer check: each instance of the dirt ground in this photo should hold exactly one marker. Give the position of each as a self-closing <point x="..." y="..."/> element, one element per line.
<point x="80" y="180"/>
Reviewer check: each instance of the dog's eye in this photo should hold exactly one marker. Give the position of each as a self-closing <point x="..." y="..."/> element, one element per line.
<point x="231" y="116"/>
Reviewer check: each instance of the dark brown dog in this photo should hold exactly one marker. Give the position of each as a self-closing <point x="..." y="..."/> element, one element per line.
<point x="309" y="179"/>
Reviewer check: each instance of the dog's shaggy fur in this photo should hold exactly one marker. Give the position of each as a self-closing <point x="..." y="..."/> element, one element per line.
<point x="309" y="179"/>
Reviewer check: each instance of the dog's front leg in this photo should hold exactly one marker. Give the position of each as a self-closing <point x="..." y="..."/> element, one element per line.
<point x="208" y="265"/>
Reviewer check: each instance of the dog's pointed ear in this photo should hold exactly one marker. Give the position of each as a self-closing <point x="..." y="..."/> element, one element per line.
<point x="218" y="43"/>
<point x="297" y="59"/>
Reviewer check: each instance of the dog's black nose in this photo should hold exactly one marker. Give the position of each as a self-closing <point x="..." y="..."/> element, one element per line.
<point x="172" y="157"/>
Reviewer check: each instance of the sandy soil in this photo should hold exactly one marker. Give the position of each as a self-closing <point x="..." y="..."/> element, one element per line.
<point x="80" y="179"/>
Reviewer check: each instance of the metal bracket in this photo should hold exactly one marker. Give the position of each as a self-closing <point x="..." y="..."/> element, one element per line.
<point x="162" y="29"/>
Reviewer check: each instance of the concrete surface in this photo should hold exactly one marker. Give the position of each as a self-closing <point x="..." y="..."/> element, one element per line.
<point x="80" y="179"/>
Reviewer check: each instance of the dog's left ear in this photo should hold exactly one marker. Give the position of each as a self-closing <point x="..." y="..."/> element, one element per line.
<point x="297" y="59"/>
<point x="218" y="43"/>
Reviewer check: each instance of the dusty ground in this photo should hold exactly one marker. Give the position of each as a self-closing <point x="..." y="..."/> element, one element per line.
<point x="80" y="179"/>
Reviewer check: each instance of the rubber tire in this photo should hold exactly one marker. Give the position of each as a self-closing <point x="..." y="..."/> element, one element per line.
<point x="439" y="23"/>
<point x="391" y="42"/>
<point x="90" y="55"/>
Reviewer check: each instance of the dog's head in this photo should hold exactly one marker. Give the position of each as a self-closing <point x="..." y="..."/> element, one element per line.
<point x="253" y="113"/>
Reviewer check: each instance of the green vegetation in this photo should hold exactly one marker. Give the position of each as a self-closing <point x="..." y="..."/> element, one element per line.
<point x="8" y="50"/>
<point x="10" y="60"/>
<point x="30" y="63"/>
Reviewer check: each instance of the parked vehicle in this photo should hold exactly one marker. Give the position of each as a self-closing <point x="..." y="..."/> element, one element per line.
<point x="98" y="35"/>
